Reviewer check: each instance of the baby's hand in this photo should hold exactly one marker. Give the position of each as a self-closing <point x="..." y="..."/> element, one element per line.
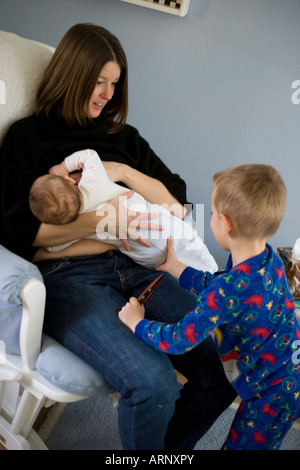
<point x="132" y="313"/>
<point x="59" y="170"/>
<point x="172" y="265"/>
<point x="62" y="170"/>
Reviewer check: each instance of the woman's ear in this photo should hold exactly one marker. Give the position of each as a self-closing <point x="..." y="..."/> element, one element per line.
<point x="226" y="223"/>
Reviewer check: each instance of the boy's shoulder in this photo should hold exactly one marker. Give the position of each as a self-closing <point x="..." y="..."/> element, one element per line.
<point x="266" y="268"/>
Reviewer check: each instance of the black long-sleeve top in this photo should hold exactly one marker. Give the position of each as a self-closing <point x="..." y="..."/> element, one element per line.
<point x="34" y="144"/>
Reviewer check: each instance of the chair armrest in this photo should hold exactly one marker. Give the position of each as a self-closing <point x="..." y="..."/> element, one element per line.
<point x="14" y="273"/>
<point x="22" y="302"/>
<point x="33" y="296"/>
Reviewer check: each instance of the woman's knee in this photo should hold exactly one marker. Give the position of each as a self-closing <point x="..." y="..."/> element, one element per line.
<point x="156" y="386"/>
<point x="164" y="388"/>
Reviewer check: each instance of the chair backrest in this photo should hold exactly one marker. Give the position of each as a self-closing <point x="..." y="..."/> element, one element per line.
<point x="22" y="64"/>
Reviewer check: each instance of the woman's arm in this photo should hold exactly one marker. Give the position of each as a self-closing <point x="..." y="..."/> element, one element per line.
<point x="150" y="188"/>
<point x="114" y="217"/>
<point x="53" y="235"/>
<point x="140" y="169"/>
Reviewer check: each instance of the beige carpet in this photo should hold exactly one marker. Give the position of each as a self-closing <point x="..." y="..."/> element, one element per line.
<point x="92" y="425"/>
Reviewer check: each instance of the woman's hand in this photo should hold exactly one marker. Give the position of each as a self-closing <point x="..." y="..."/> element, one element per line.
<point x="172" y="265"/>
<point x="132" y="313"/>
<point x="123" y="223"/>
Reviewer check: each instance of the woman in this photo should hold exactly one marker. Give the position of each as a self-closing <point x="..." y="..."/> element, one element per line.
<point x="82" y="103"/>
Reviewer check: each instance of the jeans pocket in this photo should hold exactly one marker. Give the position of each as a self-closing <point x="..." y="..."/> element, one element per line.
<point x="49" y="268"/>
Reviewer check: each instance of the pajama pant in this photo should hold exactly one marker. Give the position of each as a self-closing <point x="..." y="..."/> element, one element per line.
<point x="262" y="422"/>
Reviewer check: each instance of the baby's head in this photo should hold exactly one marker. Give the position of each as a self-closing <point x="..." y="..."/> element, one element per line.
<point x="253" y="196"/>
<point x="53" y="200"/>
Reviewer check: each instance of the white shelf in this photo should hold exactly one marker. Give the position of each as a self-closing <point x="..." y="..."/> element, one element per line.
<point x="176" y="7"/>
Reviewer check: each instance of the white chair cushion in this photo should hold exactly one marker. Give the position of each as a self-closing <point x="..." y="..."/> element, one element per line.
<point x="68" y="372"/>
<point x="22" y="64"/>
<point x="10" y="322"/>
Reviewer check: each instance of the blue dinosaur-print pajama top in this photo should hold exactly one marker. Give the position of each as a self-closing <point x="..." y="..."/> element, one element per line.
<point x="250" y="312"/>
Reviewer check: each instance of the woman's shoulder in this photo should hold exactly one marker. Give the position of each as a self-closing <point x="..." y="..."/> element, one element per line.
<point x="130" y="129"/>
<point x="25" y="125"/>
<point x="128" y="137"/>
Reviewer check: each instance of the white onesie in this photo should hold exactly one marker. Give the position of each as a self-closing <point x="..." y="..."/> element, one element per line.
<point x="98" y="190"/>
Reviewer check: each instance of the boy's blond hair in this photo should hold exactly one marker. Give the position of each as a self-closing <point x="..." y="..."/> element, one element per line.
<point x="253" y="196"/>
<point x="53" y="200"/>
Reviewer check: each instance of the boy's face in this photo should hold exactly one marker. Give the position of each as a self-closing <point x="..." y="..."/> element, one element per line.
<point x="217" y="225"/>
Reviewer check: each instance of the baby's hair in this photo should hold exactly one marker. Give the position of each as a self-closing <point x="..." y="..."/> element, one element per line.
<point x="253" y="196"/>
<point x="53" y="200"/>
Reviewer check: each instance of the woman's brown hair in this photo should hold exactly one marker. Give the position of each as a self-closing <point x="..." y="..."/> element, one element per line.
<point x="72" y="74"/>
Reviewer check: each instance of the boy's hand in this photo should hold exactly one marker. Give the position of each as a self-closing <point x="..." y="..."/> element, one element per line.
<point x="132" y="313"/>
<point x="172" y="265"/>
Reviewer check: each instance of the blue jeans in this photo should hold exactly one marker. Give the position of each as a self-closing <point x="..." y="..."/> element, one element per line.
<point x="84" y="296"/>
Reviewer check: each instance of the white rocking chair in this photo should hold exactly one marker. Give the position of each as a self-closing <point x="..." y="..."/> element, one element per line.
<point x="35" y="371"/>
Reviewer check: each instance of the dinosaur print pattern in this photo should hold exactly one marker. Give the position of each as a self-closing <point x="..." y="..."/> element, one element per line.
<point x="250" y="312"/>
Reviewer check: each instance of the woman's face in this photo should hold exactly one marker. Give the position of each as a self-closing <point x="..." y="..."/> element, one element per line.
<point x="104" y="89"/>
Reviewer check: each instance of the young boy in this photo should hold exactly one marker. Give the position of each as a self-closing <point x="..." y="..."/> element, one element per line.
<point x="55" y="199"/>
<point x="248" y="307"/>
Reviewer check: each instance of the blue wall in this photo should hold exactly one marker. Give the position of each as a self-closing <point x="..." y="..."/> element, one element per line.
<point x="210" y="90"/>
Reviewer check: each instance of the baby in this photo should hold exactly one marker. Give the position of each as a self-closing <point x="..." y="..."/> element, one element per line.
<point x="56" y="200"/>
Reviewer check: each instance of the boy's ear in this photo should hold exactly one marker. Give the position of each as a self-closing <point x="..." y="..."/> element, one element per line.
<point x="227" y="224"/>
